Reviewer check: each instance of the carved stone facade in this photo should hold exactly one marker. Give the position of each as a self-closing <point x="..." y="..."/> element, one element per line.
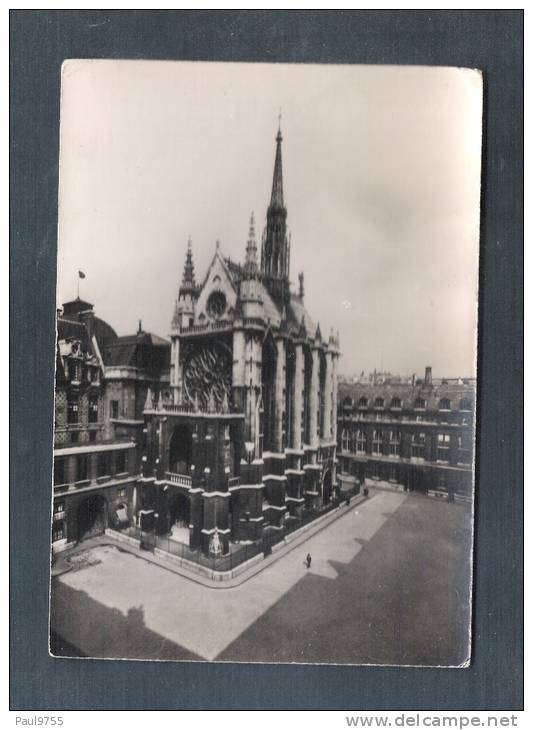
<point x="248" y="440"/>
<point x="101" y="385"/>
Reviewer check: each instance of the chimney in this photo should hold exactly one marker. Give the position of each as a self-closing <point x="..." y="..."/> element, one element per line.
<point x="428" y="377"/>
<point x="301" y="281"/>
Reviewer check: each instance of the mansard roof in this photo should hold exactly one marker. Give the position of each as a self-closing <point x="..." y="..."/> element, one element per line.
<point x="408" y="393"/>
<point x="143" y="350"/>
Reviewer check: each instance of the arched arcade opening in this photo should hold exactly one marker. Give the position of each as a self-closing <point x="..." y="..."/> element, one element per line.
<point x="92" y="516"/>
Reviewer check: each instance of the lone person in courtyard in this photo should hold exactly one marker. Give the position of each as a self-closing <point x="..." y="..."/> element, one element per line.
<point x="308" y="560"/>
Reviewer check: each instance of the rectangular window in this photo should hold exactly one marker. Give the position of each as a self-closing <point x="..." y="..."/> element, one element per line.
<point x="114" y="409"/>
<point x="394" y="443"/>
<point x="82" y="468"/>
<point x="104" y="464"/>
<point x="58" y="531"/>
<point x="59" y="507"/>
<point x="418" y="445"/>
<point x="73" y="410"/>
<point x="75" y="437"/>
<point x="443" y="447"/>
<point x="377" y="442"/>
<point x="121" y="464"/>
<point x="59" y="471"/>
<point x="121" y="493"/>
<point x="93" y="409"/>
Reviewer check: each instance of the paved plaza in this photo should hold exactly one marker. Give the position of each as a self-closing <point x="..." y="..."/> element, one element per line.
<point x="388" y="584"/>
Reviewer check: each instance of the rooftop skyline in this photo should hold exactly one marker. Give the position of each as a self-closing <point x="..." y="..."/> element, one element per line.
<point x="381" y="185"/>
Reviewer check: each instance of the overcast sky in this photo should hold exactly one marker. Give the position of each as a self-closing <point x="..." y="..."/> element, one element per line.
<point x="381" y="173"/>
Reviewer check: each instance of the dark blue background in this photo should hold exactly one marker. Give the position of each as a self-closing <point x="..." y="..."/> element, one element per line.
<point x="489" y="40"/>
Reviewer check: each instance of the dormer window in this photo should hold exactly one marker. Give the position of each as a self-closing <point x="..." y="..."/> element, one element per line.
<point x="363" y="402"/>
<point x="420" y="404"/>
<point x="396" y="404"/>
<point x="444" y="404"/>
<point x="379" y="403"/>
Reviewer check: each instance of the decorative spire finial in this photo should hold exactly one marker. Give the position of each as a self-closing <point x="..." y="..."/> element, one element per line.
<point x="188" y="283"/>
<point x="175" y="317"/>
<point x="250" y="264"/>
<point x="149" y="402"/>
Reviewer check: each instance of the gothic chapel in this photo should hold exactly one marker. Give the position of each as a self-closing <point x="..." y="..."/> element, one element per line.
<point x="246" y="443"/>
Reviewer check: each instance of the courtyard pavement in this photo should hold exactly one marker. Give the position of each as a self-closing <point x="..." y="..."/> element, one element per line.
<point x="388" y="584"/>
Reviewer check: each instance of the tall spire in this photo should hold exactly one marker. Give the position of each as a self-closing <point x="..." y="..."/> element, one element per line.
<point x="276" y="198"/>
<point x="188" y="283"/>
<point x="275" y="245"/>
<point x="250" y="263"/>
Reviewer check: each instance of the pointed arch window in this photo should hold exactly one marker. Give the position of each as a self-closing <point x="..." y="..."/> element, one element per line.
<point x="379" y="403"/>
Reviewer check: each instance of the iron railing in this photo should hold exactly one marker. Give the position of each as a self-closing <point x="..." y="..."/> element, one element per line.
<point x="238" y="553"/>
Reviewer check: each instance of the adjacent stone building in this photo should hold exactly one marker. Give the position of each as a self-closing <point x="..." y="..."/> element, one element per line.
<point x="101" y="384"/>
<point x="418" y="436"/>
<point x="247" y="439"/>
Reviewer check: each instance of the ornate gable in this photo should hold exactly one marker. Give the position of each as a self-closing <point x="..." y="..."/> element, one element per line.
<point x="217" y="298"/>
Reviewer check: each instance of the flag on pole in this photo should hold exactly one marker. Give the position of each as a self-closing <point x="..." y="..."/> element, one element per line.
<point x="81" y="274"/>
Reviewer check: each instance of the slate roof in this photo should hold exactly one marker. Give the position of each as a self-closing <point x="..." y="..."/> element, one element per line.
<point x="408" y="393"/>
<point x="143" y="350"/>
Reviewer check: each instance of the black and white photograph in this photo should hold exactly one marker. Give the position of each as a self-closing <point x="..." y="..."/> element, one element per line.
<point x="265" y="383"/>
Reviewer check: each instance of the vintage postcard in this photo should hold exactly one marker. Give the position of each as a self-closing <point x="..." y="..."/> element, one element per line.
<point x="266" y="363"/>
